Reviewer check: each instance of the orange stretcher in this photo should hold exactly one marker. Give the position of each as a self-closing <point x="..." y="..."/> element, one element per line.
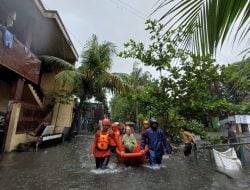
<point x="137" y="157"/>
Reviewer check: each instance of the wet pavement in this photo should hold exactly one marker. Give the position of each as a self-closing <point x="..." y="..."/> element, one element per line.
<point x="67" y="166"/>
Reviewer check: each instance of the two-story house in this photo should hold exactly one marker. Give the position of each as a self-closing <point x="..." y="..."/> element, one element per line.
<point x="27" y="31"/>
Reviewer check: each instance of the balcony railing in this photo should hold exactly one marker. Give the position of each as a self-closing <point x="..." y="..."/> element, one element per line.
<point x="20" y="60"/>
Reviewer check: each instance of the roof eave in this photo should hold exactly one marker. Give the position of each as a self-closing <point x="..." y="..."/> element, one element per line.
<point x="54" y="15"/>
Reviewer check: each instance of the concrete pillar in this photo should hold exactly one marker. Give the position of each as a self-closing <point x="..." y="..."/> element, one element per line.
<point x="18" y="89"/>
<point x="14" y="117"/>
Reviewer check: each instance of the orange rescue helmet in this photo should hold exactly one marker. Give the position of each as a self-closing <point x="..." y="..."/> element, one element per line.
<point x="106" y="122"/>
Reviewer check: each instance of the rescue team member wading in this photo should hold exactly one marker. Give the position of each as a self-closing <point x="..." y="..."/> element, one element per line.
<point x="157" y="142"/>
<point x="101" y="145"/>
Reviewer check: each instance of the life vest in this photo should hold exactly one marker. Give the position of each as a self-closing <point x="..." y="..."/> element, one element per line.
<point x="103" y="142"/>
<point x="112" y="139"/>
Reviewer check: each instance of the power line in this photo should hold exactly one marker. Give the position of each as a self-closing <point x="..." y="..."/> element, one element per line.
<point x="131" y="7"/>
<point x="158" y="2"/>
<point x="119" y="4"/>
<point x="76" y="38"/>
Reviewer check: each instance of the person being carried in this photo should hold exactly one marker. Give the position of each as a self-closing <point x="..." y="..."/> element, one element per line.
<point x="157" y="142"/>
<point x="101" y="146"/>
<point x="129" y="140"/>
<point x="187" y="137"/>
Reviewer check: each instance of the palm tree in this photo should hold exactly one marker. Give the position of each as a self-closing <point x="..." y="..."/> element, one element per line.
<point x="95" y="66"/>
<point x="92" y="78"/>
<point x="207" y="23"/>
<point x="136" y="81"/>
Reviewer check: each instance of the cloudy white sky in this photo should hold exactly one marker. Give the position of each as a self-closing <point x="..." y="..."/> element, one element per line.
<point x="116" y="21"/>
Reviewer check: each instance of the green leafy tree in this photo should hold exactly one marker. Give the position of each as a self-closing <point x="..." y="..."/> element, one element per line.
<point x="236" y="81"/>
<point x="188" y="83"/>
<point x="122" y="108"/>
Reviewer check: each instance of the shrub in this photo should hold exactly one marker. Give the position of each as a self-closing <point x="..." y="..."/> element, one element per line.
<point x="173" y="132"/>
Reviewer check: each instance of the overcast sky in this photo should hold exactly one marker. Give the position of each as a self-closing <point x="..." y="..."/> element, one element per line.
<point x="116" y="21"/>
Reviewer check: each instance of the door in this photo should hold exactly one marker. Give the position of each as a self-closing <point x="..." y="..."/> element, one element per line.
<point x="244" y="128"/>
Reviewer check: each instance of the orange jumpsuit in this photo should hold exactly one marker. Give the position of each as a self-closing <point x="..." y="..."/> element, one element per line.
<point x="115" y="137"/>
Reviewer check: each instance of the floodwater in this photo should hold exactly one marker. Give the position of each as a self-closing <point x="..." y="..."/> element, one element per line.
<point x="67" y="166"/>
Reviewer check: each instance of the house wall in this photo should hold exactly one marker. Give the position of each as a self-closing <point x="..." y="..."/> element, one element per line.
<point x="4" y="96"/>
<point x="20" y="138"/>
<point x="62" y="113"/>
<point x="14" y="139"/>
<point x="63" y="117"/>
<point x="48" y="83"/>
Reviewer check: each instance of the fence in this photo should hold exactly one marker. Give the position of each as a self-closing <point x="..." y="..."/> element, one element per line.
<point x="242" y="147"/>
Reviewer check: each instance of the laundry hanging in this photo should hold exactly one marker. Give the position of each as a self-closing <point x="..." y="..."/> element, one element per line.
<point x="7" y="37"/>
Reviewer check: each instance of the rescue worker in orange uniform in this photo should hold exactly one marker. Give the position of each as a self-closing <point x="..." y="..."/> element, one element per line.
<point x="115" y="134"/>
<point x="101" y="146"/>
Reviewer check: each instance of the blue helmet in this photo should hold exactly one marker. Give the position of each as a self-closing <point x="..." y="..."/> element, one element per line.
<point x="152" y="121"/>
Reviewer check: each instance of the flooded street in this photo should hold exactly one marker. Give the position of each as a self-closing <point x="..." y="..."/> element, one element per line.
<point x="67" y="166"/>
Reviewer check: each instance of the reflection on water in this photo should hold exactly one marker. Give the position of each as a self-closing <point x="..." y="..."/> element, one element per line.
<point x="68" y="166"/>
